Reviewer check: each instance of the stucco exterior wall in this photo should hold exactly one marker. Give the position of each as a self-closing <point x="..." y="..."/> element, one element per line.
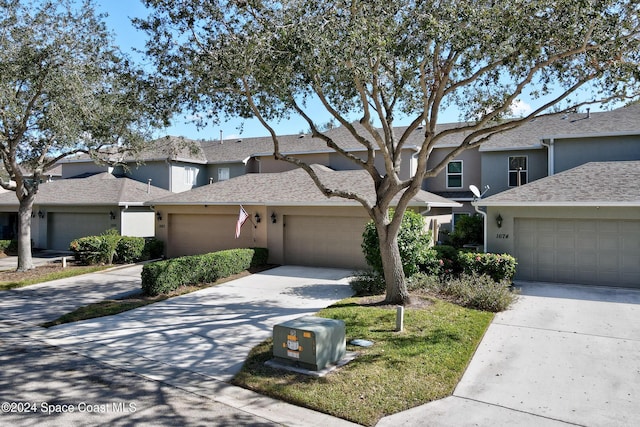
<point x="71" y="169"/>
<point x="158" y="172"/>
<point x="270" y="165"/>
<point x="235" y="169"/>
<point x="470" y="170"/>
<point x="495" y="168"/>
<point x="569" y="153"/>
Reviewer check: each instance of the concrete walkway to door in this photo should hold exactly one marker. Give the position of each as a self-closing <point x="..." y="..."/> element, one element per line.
<point x="563" y="354"/>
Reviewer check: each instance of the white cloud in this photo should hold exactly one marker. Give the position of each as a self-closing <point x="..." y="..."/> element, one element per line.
<point x="519" y="108"/>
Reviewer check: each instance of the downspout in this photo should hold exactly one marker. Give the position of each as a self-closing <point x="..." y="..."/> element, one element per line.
<point x="550" y="156"/>
<point x="433" y="235"/>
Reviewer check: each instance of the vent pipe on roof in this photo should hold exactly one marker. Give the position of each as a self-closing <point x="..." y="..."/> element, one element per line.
<point x="149" y="185"/>
<point x="221" y="137"/>
<point x="588" y="112"/>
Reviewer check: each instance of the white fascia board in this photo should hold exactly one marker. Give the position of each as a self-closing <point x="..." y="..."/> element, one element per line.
<point x="591" y="135"/>
<point x="560" y="204"/>
<point x="497" y="149"/>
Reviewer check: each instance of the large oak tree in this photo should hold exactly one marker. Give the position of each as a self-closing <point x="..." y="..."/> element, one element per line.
<point x="64" y="89"/>
<point x="385" y="59"/>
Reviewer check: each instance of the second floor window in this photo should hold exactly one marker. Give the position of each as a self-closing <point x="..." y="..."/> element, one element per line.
<point x="454" y="174"/>
<point x="190" y="175"/>
<point x="517" y="171"/>
<point x="223" y="174"/>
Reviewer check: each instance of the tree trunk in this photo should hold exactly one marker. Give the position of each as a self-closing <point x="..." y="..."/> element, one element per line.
<point x="25" y="261"/>
<point x="393" y="273"/>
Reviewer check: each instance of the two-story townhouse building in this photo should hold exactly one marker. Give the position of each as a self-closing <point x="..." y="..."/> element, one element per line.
<point x="580" y="222"/>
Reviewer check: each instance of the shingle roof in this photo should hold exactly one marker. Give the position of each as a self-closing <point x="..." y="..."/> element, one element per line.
<point x="168" y="147"/>
<point x="620" y="121"/>
<point x="592" y="184"/>
<point x="293" y="187"/>
<point x="101" y="189"/>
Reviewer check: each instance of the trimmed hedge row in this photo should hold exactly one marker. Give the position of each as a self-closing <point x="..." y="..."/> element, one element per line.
<point x="112" y="248"/>
<point x="165" y="276"/>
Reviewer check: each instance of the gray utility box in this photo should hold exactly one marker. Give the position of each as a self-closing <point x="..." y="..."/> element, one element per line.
<point x="309" y="342"/>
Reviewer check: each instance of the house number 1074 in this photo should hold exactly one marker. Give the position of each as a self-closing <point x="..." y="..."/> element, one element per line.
<point x="502" y="236"/>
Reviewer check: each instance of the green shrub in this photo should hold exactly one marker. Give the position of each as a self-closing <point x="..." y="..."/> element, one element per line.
<point x="162" y="277"/>
<point x="469" y="229"/>
<point x="4" y="245"/>
<point x="108" y="244"/>
<point x="447" y="263"/>
<point x="367" y="283"/>
<point x="413" y="242"/>
<point x="153" y="248"/>
<point x="129" y="249"/>
<point x="87" y="250"/>
<point x="497" y="266"/>
<point x="480" y="292"/>
<point x="107" y="248"/>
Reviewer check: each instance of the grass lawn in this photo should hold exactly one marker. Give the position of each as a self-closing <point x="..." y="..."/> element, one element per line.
<point x="12" y="279"/>
<point x="400" y="371"/>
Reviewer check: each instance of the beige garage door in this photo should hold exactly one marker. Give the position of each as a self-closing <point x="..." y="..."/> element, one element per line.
<point x="324" y="241"/>
<point x="64" y="227"/>
<point x="598" y="252"/>
<point x="199" y="234"/>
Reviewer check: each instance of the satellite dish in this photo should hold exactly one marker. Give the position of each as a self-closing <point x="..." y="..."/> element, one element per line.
<point x="475" y="191"/>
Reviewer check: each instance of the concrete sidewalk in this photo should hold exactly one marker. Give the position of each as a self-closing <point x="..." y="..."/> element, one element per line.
<point x="563" y="355"/>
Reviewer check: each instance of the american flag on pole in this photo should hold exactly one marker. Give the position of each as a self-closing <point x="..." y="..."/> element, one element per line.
<point x="241" y="219"/>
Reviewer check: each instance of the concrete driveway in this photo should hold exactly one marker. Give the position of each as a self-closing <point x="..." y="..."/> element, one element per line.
<point x="210" y="332"/>
<point x="184" y="344"/>
<point x="564" y="354"/>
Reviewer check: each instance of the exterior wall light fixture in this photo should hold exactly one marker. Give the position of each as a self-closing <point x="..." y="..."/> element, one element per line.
<point x="112" y="215"/>
<point x="257" y="217"/>
<point x="159" y="215"/>
<point x="499" y="221"/>
<point x="273" y="217"/>
<point x="41" y="214"/>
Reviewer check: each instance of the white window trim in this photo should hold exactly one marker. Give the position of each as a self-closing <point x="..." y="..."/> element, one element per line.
<point x="455" y="174"/>
<point x="190" y="175"/>
<point x="509" y="170"/>
<point x="228" y="175"/>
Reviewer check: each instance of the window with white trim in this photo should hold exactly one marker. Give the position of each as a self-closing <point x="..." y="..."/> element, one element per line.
<point x="518" y="172"/>
<point x="190" y="175"/>
<point x="223" y="174"/>
<point x="454" y="174"/>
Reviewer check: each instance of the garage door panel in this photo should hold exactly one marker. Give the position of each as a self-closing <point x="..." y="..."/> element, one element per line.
<point x="324" y="241"/>
<point x="64" y="227"/>
<point x="601" y="252"/>
<point x="191" y="234"/>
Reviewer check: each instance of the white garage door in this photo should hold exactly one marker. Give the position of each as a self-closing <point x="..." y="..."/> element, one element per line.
<point x="324" y="241"/>
<point x="598" y="252"/>
<point x="64" y="227"/>
<point x="199" y="234"/>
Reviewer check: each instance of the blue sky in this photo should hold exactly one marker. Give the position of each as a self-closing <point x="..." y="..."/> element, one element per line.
<point x="127" y="37"/>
